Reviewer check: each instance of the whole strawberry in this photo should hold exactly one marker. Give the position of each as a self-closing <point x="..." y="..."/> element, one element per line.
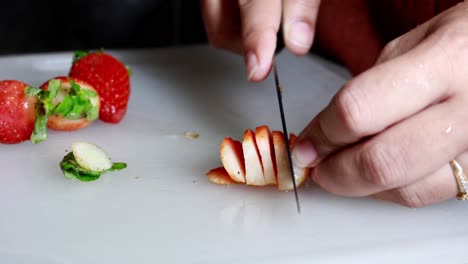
<point x="17" y="112"/>
<point x="109" y="77"/>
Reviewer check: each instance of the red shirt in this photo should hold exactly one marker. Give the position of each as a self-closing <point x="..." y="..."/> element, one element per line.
<point x="355" y="31"/>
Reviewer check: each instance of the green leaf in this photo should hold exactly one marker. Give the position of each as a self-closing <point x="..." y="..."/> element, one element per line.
<point x="78" y="54"/>
<point x="32" y="91"/>
<point x="53" y="88"/>
<point x="39" y="133"/>
<point x="75" y="87"/>
<point x="43" y="109"/>
<point x="93" y="113"/>
<point x="72" y="170"/>
<point x="129" y="70"/>
<point x="118" y="166"/>
<point x="89" y="93"/>
<point x="77" y="104"/>
<point x="64" y="108"/>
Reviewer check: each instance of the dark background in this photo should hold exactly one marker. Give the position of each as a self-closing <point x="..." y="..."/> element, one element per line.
<point x="28" y="26"/>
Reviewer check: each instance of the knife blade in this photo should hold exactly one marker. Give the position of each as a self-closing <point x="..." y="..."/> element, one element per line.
<point x="285" y="131"/>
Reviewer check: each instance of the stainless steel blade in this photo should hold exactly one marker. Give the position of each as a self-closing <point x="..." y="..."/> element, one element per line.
<point x="285" y="132"/>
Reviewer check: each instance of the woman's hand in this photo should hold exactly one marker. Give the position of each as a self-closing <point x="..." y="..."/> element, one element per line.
<point x="249" y="27"/>
<point x="391" y="131"/>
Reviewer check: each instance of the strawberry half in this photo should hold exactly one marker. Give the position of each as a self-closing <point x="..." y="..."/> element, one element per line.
<point x="84" y="112"/>
<point x="17" y="112"/>
<point x="109" y="77"/>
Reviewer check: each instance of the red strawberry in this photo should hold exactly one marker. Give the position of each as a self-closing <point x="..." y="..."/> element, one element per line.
<point x="110" y="78"/>
<point x="17" y="112"/>
<point x="57" y="121"/>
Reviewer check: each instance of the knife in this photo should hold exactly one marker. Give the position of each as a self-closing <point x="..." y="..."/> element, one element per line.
<point x="279" y="47"/>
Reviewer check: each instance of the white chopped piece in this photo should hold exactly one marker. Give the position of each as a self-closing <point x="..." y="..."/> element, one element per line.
<point x="191" y="135"/>
<point x="91" y="157"/>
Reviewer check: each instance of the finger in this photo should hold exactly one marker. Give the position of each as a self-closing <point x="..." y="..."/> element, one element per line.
<point x="438" y="186"/>
<point x="404" y="43"/>
<point x="401" y="155"/>
<point x="375" y="100"/>
<point x="299" y="20"/>
<point x="260" y="21"/>
<point x="222" y="24"/>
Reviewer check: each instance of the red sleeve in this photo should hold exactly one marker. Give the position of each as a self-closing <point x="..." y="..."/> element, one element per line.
<point x="354" y="31"/>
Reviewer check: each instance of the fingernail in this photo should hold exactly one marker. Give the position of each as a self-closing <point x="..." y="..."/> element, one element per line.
<point x="251" y="63"/>
<point x="304" y="154"/>
<point x="301" y="34"/>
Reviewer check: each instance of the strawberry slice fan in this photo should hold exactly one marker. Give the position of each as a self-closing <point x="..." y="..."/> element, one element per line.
<point x="260" y="160"/>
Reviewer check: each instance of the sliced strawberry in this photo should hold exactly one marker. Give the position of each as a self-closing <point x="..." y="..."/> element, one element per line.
<point x="110" y="78"/>
<point x="73" y="119"/>
<point x="253" y="163"/>
<point x="284" y="172"/>
<point x="220" y="176"/>
<point x="17" y="112"/>
<point x="232" y="158"/>
<point x="267" y="153"/>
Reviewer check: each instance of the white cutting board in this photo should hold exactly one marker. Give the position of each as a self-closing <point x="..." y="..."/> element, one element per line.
<point x="162" y="209"/>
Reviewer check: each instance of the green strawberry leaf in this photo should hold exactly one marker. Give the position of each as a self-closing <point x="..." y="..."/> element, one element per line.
<point x="78" y="54"/>
<point x="72" y="170"/>
<point x="53" y="88"/>
<point x="65" y="107"/>
<point x="32" y="91"/>
<point x="118" y="166"/>
<point x="92" y="113"/>
<point x="39" y="133"/>
<point x="129" y="70"/>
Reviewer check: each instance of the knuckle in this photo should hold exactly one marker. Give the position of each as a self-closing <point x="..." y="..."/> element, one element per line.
<point x="389" y="51"/>
<point x="456" y="36"/>
<point x="380" y="167"/>
<point x="307" y="5"/>
<point x="409" y="198"/>
<point x="453" y="38"/>
<point x="349" y="110"/>
<point x="245" y="3"/>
